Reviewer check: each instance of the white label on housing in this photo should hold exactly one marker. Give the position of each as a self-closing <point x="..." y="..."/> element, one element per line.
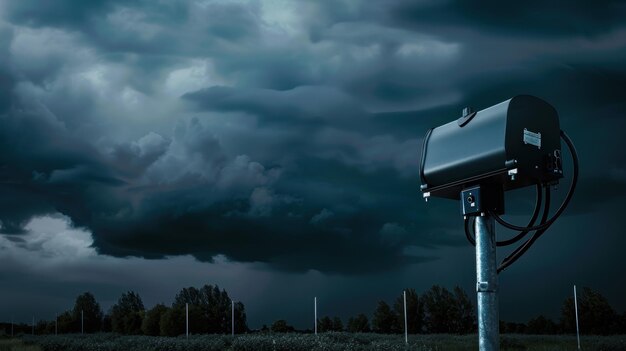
<point x="532" y="138"/>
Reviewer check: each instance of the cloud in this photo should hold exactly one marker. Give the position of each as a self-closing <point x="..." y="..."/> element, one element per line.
<point x="534" y="18"/>
<point x="322" y="216"/>
<point x="279" y="134"/>
<point x="49" y="238"/>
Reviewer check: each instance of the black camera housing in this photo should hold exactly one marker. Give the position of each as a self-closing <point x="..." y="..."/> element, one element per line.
<point x="510" y="145"/>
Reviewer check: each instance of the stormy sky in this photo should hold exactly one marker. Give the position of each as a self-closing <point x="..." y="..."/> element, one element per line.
<point x="271" y="147"/>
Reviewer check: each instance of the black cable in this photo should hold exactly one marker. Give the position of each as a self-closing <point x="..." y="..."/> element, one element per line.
<point x="568" y="197"/>
<point x="544" y="224"/>
<point x="469" y="223"/>
<point x="531" y="222"/>
<point x="424" y="146"/>
<point x="467" y="232"/>
<point x="515" y="255"/>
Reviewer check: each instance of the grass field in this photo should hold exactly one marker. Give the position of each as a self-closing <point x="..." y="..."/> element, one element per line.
<point x="17" y="345"/>
<point x="304" y="342"/>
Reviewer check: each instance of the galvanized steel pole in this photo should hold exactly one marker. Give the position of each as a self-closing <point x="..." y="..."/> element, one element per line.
<point x="487" y="284"/>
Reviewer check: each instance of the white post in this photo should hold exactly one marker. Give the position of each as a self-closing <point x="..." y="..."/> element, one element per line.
<point x="82" y="322"/>
<point x="232" y="317"/>
<point x="406" y="330"/>
<point x="315" y="304"/>
<point x="187" y="320"/>
<point x="576" y="309"/>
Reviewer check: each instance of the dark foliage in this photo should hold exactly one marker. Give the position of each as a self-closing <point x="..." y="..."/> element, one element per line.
<point x="127" y="314"/>
<point x="359" y="324"/>
<point x="151" y="324"/>
<point x="91" y="314"/>
<point x="415" y="312"/>
<point x="384" y="320"/>
<point x="281" y="326"/>
<point x="596" y="316"/>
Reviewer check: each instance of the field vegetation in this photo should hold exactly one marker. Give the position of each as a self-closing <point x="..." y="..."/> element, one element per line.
<point x="308" y="342"/>
<point x="437" y="319"/>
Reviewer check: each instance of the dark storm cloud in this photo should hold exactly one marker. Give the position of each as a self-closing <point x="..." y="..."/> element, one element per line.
<point x="44" y="169"/>
<point x="205" y="128"/>
<point x="217" y="206"/>
<point x="530" y="18"/>
<point x="287" y="107"/>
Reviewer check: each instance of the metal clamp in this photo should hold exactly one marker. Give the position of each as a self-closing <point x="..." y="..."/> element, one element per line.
<point x="486" y="287"/>
<point x="512" y="173"/>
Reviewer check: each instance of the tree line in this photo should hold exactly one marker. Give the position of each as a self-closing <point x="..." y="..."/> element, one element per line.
<point x="210" y="312"/>
<point x="437" y="310"/>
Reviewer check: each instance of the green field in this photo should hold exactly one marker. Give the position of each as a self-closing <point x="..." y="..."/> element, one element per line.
<point x="303" y="342"/>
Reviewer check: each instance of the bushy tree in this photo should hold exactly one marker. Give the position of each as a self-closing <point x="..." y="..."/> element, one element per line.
<point x="151" y="324"/>
<point x="596" y="316"/>
<point x="439" y="305"/>
<point x="359" y="324"/>
<point x="384" y="319"/>
<point x="241" y="324"/>
<point x="512" y="328"/>
<point x="281" y="326"/>
<point x="66" y="323"/>
<point x="448" y="312"/>
<point x="325" y="324"/>
<point x="198" y="322"/>
<point x="106" y="323"/>
<point x="337" y="324"/>
<point x="464" y="317"/>
<point x="92" y="314"/>
<point x="415" y="312"/>
<point x="541" y="325"/>
<point x="621" y="325"/>
<point x="172" y="322"/>
<point x="210" y="310"/>
<point x="127" y="314"/>
<point x="43" y="327"/>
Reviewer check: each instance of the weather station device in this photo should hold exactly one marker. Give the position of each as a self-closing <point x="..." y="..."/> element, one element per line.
<point x="475" y="160"/>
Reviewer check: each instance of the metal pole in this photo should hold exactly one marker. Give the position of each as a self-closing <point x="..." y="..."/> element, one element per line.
<point x="576" y="309"/>
<point x="11" y="326"/>
<point x="187" y="320"/>
<point x="56" y="324"/>
<point x="232" y="317"/>
<point x="315" y="304"/>
<point x="33" y="325"/>
<point x="406" y="330"/>
<point x="487" y="284"/>
<point x="82" y="322"/>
